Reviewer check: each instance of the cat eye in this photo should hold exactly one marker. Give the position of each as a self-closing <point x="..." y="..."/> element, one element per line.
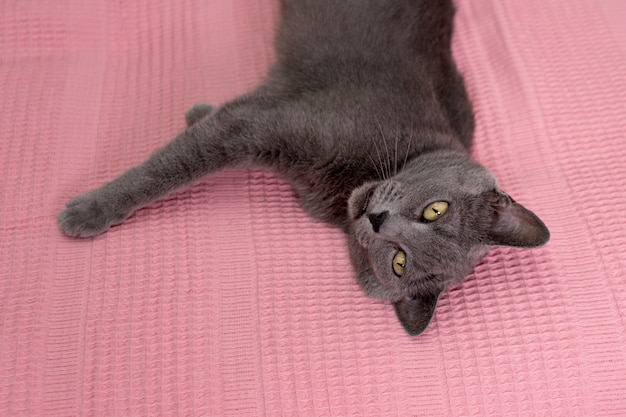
<point x="434" y="211"/>
<point x="399" y="263"/>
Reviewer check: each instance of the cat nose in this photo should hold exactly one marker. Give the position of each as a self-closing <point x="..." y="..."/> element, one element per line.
<point x="377" y="219"/>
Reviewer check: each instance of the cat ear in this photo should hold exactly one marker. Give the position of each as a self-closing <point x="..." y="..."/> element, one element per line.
<point x="513" y="224"/>
<point x="416" y="313"/>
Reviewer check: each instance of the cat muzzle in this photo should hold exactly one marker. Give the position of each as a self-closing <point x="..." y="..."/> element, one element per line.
<point x="377" y="219"/>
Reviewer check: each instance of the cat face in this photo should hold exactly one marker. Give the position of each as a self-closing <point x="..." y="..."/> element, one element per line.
<point x="425" y="228"/>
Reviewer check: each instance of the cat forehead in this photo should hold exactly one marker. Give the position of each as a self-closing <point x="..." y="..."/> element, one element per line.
<point x="458" y="176"/>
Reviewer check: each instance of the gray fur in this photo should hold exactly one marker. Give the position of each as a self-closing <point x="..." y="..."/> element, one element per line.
<point x="366" y="115"/>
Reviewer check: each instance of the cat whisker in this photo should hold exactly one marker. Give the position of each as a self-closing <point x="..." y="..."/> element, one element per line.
<point x="408" y="148"/>
<point x="380" y="160"/>
<point x="395" y="157"/>
<point x="382" y="134"/>
<point x="378" y="173"/>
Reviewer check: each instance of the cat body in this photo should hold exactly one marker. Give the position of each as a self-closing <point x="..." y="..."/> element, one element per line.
<point x="366" y="115"/>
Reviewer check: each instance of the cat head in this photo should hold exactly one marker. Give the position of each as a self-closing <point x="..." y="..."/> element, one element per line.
<point x="425" y="228"/>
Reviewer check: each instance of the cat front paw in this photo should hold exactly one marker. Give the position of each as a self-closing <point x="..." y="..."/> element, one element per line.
<point x="87" y="216"/>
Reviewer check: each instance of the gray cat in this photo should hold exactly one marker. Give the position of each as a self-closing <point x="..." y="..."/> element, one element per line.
<point x="366" y="115"/>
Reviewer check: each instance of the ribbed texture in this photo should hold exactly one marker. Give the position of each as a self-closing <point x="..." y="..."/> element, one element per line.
<point x="226" y="299"/>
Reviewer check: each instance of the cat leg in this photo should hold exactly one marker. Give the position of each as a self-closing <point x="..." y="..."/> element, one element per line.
<point x="197" y="113"/>
<point x="229" y="137"/>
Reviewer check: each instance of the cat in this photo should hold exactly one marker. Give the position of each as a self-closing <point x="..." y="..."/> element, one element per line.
<point x="366" y="115"/>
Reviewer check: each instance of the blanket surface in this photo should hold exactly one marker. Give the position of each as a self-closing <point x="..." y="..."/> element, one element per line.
<point x="225" y="299"/>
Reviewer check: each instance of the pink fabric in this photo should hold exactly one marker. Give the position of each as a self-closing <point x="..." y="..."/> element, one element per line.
<point x="225" y="299"/>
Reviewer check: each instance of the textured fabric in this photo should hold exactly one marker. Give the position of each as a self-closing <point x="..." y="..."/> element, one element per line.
<point x="226" y="299"/>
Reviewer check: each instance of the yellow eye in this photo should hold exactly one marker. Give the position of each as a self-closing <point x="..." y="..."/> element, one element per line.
<point x="399" y="263"/>
<point x="435" y="210"/>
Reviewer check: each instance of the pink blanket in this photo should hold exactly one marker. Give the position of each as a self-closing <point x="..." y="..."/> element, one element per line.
<point x="226" y="299"/>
